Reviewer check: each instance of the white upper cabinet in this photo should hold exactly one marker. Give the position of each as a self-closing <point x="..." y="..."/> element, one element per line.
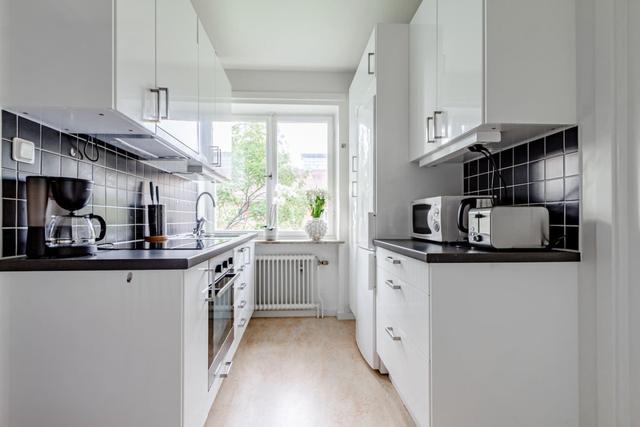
<point x="177" y="71"/>
<point x="135" y="60"/>
<point x="133" y="73"/>
<point x="423" y="32"/>
<point x="206" y="92"/>
<point x="498" y="71"/>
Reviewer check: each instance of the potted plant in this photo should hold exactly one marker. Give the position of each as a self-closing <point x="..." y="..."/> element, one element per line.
<point x="316" y="227"/>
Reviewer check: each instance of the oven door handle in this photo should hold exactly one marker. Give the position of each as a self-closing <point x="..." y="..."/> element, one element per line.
<point x="225" y="288"/>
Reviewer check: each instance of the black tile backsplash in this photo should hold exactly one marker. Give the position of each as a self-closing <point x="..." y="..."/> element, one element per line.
<point x="543" y="172"/>
<point x="121" y="184"/>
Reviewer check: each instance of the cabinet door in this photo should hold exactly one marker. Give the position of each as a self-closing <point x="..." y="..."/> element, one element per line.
<point x="135" y="61"/>
<point x="177" y="73"/>
<point x="365" y="74"/>
<point x="195" y="365"/>
<point x="422" y="79"/>
<point x="206" y="93"/>
<point x="460" y="77"/>
<point x="222" y="124"/>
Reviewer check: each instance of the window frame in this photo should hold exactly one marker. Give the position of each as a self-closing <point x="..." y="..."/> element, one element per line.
<point x="271" y="153"/>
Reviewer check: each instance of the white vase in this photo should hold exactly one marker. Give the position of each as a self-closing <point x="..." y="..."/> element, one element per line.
<point x="316" y="228"/>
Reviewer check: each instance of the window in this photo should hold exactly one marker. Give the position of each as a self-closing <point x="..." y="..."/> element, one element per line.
<point x="272" y="161"/>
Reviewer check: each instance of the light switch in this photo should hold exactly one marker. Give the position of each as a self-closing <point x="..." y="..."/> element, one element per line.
<point x="23" y="151"/>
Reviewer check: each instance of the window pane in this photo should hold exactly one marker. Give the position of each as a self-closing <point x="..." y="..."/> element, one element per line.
<point x="241" y="202"/>
<point x="302" y="165"/>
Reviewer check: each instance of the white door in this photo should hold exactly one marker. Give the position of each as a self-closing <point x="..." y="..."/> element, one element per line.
<point x="366" y="173"/>
<point x="460" y="68"/>
<point x="177" y="72"/>
<point x="135" y="61"/>
<point x="366" y="306"/>
<point x="423" y="46"/>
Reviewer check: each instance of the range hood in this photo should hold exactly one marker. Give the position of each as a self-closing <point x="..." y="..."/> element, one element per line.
<point x="193" y="170"/>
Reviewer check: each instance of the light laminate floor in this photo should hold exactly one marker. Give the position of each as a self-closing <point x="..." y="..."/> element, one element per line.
<point x="304" y="372"/>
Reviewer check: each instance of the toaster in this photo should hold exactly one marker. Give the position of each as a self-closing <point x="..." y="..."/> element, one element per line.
<point x="509" y="227"/>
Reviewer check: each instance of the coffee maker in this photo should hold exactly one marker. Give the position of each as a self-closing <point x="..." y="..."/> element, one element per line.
<point x="51" y="233"/>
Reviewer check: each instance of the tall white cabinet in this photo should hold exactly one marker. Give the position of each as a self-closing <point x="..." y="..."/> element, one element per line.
<point x="496" y="71"/>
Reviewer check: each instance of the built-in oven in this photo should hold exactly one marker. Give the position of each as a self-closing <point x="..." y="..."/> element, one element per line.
<point x="221" y="321"/>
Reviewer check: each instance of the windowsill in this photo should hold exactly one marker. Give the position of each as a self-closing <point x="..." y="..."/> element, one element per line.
<point x="299" y="242"/>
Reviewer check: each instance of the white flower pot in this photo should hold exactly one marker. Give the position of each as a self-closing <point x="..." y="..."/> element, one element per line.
<point x="316" y="229"/>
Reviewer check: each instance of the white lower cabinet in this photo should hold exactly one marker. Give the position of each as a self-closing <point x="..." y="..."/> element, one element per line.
<point x="484" y="345"/>
<point x="114" y="348"/>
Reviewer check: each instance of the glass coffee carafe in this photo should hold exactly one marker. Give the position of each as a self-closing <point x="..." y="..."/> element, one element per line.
<point x="74" y="234"/>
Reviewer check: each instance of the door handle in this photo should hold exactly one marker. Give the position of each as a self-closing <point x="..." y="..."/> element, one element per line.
<point x="354" y="163"/>
<point x="435" y="125"/>
<point x="430" y="122"/>
<point x="242" y="304"/>
<point x="242" y="323"/>
<point x="166" y="102"/>
<point x="242" y="287"/>
<point x="392" y="285"/>
<point x="369" y="56"/>
<point x="156" y="118"/>
<point x="393" y="261"/>
<point x="354" y="189"/>
<point x="391" y="334"/>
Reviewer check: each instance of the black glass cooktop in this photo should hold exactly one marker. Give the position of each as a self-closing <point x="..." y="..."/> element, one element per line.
<point x="173" y="244"/>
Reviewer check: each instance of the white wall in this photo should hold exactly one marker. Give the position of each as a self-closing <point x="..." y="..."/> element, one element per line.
<point x="4" y="292"/>
<point x="634" y="204"/>
<point x="609" y="113"/>
<point x="328" y="275"/>
<point x="284" y="82"/>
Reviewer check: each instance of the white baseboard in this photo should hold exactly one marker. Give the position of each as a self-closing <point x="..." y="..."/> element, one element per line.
<point x="346" y="316"/>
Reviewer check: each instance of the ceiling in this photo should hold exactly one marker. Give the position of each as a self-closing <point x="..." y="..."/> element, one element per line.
<point x="305" y="35"/>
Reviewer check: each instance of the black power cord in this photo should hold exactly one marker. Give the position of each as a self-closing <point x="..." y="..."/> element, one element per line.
<point x="502" y="189"/>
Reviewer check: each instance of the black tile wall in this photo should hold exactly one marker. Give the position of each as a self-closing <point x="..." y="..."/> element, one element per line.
<point x="544" y="172"/>
<point x="121" y="184"/>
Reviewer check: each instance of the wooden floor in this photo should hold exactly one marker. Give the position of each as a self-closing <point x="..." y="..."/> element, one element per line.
<point x="304" y="372"/>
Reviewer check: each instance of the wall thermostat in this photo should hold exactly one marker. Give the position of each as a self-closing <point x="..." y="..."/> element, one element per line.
<point x="23" y="151"/>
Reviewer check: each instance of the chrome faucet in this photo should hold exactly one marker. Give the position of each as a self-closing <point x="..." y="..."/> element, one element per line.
<point x="201" y="221"/>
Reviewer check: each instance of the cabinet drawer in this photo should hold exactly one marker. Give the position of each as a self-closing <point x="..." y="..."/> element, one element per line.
<point x="408" y="308"/>
<point x="404" y="268"/>
<point x="407" y="366"/>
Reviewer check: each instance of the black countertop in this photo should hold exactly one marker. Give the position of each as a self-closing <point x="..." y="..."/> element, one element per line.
<point x="126" y="259"/>
<point x="451" y="253"/>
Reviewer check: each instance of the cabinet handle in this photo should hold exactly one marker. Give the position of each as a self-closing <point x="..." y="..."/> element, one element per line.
<point x="242" y="323"/>
<point x="354" y="189"/>
<point x="242" y="304"/>
<point x="166" y="102"/>
<point x="392" y="285"/>
<point x="392" y="260"/>
<point x="369" y="71"/>
<point x="354" y="163"/>
<point x="435" y="125"/>
<point x="393" y="336"/>
<point x="226" y="370"/>
<point x="430" y="122"/>
<point x="156" y="118"/>
<point x="242" y="287"/>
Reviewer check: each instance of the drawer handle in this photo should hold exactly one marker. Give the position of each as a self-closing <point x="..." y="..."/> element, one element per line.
<point x="242" y="323"/>
<point x="392" y="285"/>
<point x="393" y="336"/>
<point x="227" y="369"/>
<point x="392" y="260"/>
<point x="242" y="304"/>
<point x="242" y="286"/>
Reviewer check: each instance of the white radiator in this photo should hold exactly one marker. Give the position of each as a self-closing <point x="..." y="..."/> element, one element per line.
<point x="287" y="282"/>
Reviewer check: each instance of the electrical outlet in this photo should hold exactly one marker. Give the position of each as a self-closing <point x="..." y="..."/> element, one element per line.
<point x="23" y="151"/>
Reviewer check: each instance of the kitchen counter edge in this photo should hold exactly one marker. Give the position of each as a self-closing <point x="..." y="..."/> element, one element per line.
<point x="447" y="253"/>
<point x="134" y="259"/>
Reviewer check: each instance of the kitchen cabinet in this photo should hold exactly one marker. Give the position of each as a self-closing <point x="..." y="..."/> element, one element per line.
<point x="482" y="344"/>
<point x="244" y="291"/>
<point x="138" y="78"/>
<point x="493" y="72"/>
<point x="177" y="72"/>
<point x="127" y="348"/>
